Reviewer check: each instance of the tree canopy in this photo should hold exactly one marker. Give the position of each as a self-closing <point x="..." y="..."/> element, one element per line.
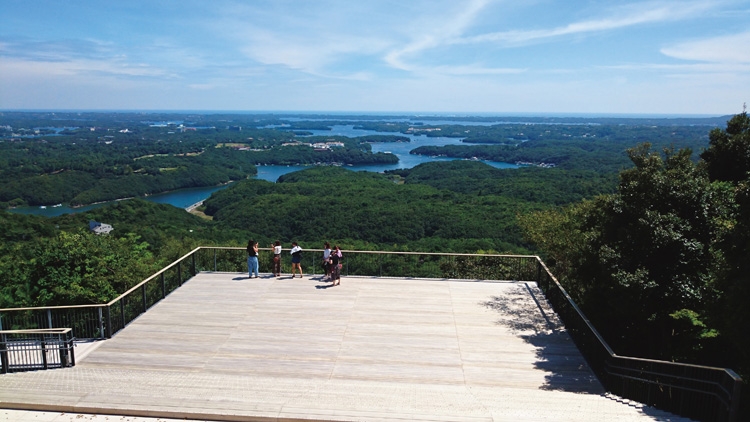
<point x="660" y="265"/>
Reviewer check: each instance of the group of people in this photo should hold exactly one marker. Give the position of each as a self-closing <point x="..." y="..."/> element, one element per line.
<point x="332" y="263"/>
<point x="331" y="260"/>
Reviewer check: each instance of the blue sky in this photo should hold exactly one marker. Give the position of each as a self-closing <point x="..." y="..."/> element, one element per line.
<point x="501" y="56"/>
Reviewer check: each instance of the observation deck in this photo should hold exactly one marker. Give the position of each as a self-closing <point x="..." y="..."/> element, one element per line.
<point x="226" y="347"/>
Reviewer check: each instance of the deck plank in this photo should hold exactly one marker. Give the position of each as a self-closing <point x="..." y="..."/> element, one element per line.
<point x="225" y="347"/>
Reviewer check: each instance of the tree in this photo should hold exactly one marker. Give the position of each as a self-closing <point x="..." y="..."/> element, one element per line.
<point x="83" y="268"/>
<point x="728" y="159"/>
<point x="728" y="155"/>
<point x="646" y="257"/>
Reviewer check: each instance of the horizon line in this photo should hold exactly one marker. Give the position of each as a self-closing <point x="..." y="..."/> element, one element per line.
<point x="380" y="113"/>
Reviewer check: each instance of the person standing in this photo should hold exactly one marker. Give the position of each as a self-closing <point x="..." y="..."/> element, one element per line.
<point x="296" y="258"/>
<point x="336" y="266"/>
<point x="326" y="260"/>
<point x="252" y="258"/>
<point x="277" y="259"/>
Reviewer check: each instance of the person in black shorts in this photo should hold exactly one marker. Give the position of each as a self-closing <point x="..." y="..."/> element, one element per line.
<point x="296" y="258"/>
<point x="277" y="258"/>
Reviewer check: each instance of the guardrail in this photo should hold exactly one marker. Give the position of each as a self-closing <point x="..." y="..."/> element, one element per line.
<point x="101" y="321"/>
<point x="28" y="350"/>
<point x="698" y="392"/>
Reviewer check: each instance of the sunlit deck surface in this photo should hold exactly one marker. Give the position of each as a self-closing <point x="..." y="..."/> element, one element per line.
<point x="225" y="347"/>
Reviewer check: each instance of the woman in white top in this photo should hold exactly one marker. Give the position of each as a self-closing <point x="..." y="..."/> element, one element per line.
<point x="296" y="258"/>
<point x="277" y="259"/>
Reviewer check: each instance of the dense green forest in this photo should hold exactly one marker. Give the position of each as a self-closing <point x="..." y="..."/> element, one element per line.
<point x="360" y="208"/>
<point x="660" y="266"/>
<point x="96" y="159"/>
<point x="595" y="154"/>
<point x="650" y="238"/>
<point x="82" y="158"/>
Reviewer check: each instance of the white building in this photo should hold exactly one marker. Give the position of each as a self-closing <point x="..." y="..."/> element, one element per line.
<point x="99" y="228"/>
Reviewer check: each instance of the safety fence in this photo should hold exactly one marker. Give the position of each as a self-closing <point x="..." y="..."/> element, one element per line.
<point x="101" y="321"/>
<point x="28" y="350"/>
<point x="699" y="392"/>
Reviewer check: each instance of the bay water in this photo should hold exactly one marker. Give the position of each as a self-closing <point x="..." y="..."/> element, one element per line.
<point x="184" y="198"/>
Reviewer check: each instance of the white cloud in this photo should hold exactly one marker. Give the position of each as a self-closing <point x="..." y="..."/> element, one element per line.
<point x="621" y="17"/>
<point x="322" y="39"/>
<point x="685" y="67"/>
<point x="311" y="55"/>
<point x="477" y="70"/>
<point x="82" y="68"/>
<point x="730" y="49"/>
<point x="441" y="33"/>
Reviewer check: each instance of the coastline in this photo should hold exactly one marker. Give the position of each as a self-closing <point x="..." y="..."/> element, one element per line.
<point x="101" y="202"/>
<point x="184" y="198"/>
<point x="146" y="195"/>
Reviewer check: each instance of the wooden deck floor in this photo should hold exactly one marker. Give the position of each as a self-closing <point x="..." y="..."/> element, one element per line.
<point x="225" y="347"/>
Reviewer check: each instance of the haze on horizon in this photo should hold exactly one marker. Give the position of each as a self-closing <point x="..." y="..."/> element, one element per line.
<point x="442" y="56"/>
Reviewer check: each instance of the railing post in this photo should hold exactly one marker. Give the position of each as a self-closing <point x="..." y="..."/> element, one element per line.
<point x="44" y="355"/>
<point x="214" y="260"/>
<point x="163" y="287"/>
<point x="179" y="272"/>
<point x="101" y="323"/>
<point x="143" y="295"/>
<point x="193" y="259"/>
<point x="62" y="351"/>
<point x="3" y="355"/>
<point x="109" y="322"/>
<point x="538" y="273"/>
<point x="71" y="349"/>
<point x="734" y="407"/>
<point x="49" y="318"/>
<point x="122" y="312"/>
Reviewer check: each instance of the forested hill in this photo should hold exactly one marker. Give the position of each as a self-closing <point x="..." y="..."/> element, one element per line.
<point x="444" y="206"/>
<point x="548" y="186"/>
<point x="575" y="149"/>
<point x="329" y="203"/>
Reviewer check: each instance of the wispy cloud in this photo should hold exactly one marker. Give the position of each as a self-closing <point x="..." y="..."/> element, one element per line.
<point x="57" y="50"/>
<point x="91" y="57"/>
<point x="685" y="68"/>
<point x="321" y="39"/>
<point x="313" y="55"/>
<point x="728" y="49"/>
<point x="451" y="33"/>
<point x="441" y="34"/>
<point x="477" y="70"/>
<point x="620" y="17"/>
<point x="85" y="68"/>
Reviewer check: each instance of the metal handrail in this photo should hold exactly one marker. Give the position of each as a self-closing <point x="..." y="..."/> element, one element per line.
<point x="156" y="274"/>
<point x="102" y="318"/>
<point x="649" y="386"/>
<point x="29" y="350"/>
<point x="39" y="331"/>
<point x="628" y="379"/>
